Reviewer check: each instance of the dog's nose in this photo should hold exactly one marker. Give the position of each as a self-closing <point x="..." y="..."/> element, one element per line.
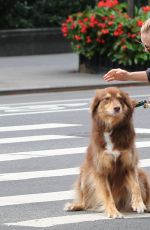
<point x="117" y="109"/>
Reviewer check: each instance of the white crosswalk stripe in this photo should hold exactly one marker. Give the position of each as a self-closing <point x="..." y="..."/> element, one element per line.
<point x="44" y="107"/>
<point x="36" y="127"/>
<point x="72" y="219"/>
<point x="43" y="112"/>
<point x="34" y="138"/>
<point x="52" y="173"/>
<point x="39" y="174"/>
<point x="140" y="130"/>
<point x="36" y="198"/>
<point x="54" y="152"/>
<point x="41" y="153"/>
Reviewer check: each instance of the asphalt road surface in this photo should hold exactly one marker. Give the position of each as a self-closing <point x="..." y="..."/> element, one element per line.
<point x="43" y="142"/>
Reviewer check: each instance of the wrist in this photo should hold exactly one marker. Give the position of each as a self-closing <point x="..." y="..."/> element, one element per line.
<point x="130" y="76"/>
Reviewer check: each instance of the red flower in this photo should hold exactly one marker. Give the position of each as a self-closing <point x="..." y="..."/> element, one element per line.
<point x="104" y="18"/>
<point x="102" y="25"/>
<point x="70" y="19"/>
<point x="112" y="17"/>
<point x="105" y="31"/>
<point x="93" y="21"/>
<point x="77" y="37"/>
<point x="139" y="23"/>
<point x="85" y="19"/>
<point x="65" y="34"/>
<point x="129" y="35"/>
<point x="118" y="31"/>
<point x="146" y="8"/>
<point x="88" y="39"/>
<point x="133" y="35"/>
<point x="78" y="46"/>
<point x="73" y="25"/>
<point x="99" y="40"/>
<point x="120" y="26"/>
<point x="107" y="3"/>
<point x="124" y="47"/>
<point x="110" y="23"/>
<point x="83" y="27"/>
<point x="64" y="29"/>
<point x="80" y="22"/>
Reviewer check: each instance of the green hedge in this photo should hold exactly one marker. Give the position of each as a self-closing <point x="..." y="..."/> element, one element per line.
<point x="38" y="13"/>
<point x="41" y="13"/>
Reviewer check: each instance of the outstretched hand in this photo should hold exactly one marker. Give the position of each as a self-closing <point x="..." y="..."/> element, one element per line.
<point x="117" y="74"/>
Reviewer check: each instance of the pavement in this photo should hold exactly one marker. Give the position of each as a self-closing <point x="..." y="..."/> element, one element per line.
<point x="48" y="73"/>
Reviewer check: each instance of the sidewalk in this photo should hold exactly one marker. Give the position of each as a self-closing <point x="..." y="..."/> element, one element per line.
<point x="47" y="73"/>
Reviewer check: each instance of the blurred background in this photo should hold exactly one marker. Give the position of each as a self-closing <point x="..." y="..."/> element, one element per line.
<point x="42" y="13"/>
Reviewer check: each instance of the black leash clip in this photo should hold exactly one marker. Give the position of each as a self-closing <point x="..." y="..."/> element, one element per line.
<point x="141" y="103"/>
<point x="144" y="103"/>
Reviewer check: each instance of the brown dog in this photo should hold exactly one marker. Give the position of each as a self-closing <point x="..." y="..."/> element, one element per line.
<point x="110" y="179"/>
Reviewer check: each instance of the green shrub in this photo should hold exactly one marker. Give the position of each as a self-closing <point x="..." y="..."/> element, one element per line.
<point x="38" y="13"/>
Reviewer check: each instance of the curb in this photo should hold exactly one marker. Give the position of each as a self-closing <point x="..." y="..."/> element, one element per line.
<point x="68" y="88"/>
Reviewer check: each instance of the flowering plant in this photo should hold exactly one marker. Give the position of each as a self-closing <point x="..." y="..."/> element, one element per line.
<point x="107" y="29"/>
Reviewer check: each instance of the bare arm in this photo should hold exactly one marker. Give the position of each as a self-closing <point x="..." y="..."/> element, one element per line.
<point x="123" y="75"/>
<point x="138" y="76"/>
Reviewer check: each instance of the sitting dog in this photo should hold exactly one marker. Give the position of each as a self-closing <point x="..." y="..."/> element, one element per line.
<point x="110" y="179"/>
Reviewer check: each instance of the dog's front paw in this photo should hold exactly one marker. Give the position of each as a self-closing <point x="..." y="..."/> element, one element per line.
<point x="73" y="207"/>
<point x="138" y="206"/>
<point x="68" y="207"/>
<point x="113" y="213"/>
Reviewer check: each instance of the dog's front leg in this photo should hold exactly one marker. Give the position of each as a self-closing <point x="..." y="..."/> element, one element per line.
<point x="134" y="187"/>
<point x="103" y="192"/>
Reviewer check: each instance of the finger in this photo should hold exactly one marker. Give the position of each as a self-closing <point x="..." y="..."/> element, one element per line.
<point x="112" y="71"/>
<point x="109" y="79"/>
<point x="110" y="75"/>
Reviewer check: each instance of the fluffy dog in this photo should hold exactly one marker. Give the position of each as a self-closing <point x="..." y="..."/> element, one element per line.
<point x="110" y="179"/>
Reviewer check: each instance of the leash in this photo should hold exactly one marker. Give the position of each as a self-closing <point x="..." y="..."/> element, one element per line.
<point x="144" y="103"/>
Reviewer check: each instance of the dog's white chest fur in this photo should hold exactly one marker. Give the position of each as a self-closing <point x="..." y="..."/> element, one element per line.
<point x="110" y="146"/>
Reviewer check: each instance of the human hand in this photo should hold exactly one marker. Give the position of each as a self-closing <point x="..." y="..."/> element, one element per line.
<point x="117" y="74"/>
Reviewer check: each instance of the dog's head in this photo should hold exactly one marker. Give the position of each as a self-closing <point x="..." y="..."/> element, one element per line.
<point x="112" y="106"/>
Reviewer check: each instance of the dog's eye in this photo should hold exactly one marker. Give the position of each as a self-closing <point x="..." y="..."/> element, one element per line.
<point x="120" y="98"/>
<point x="106" y="98"/>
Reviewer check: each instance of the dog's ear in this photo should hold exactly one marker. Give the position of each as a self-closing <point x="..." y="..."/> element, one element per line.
<point x="95" y="102"/>
<point x="130" y="102"/>
<point x="134" y="103"/>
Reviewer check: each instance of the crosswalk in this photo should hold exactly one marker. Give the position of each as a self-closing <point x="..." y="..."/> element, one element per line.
<point x="40" y="177"/>
<point x="72" y="219"/>
<point x="44" y="107"/>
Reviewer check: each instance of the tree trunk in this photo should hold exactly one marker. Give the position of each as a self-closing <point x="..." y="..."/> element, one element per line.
<point x="131" y="8"/>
